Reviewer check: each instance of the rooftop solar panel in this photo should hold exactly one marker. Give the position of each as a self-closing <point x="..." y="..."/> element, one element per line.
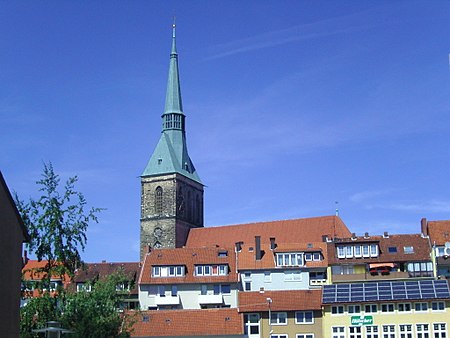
<point x="373" y="291"/>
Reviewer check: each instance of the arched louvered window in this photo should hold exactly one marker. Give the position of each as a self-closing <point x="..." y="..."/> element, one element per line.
<point x="158" y="200"/>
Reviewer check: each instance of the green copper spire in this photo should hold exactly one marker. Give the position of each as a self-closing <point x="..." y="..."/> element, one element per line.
<point x="171" y="155"/>
<point x="173" y="93"/>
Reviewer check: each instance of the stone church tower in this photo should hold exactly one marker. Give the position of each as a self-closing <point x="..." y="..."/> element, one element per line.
<point x="172" y="192"/>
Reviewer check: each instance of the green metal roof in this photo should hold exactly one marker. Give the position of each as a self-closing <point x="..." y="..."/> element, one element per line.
<point x="170" y="154"/>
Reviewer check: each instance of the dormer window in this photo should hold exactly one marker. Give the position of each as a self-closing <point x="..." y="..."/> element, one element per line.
<point x="168" y="271"/>
<point x="312" y="256"/>
<point x="290" y="259"/>
<point x="211" y="270"/>
<point x="357" y="251"/>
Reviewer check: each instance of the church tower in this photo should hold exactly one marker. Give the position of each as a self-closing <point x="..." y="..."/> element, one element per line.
<point x="172" y="192"/>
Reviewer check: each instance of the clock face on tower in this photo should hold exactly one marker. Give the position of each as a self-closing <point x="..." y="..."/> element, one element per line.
<point x="158" y="232"/>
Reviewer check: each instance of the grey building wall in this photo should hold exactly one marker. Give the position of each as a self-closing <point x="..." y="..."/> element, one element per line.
<point x="12" y="236"/>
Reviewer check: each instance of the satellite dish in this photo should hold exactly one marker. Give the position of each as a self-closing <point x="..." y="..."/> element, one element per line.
<point x="447" y="244"/>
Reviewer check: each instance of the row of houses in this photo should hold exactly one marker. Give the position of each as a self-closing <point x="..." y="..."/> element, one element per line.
<point x="299" y="278"/>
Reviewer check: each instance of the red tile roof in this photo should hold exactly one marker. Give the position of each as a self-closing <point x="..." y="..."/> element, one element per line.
<point x="96" y="271"/>
<point x="33" y="271"/>
<point x="289" y="300"/>
<point x="419" y="243"/>
<point x="303" y="230"/>
<point x="188" y="257"/>
<point x="439" y="232"/>
<point x="208" y="322"/>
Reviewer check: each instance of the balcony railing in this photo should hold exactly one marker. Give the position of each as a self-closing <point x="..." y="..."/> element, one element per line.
<point x="368" y="277"/>
<point x="210" y="299"/>
<point x="167" y="300"/>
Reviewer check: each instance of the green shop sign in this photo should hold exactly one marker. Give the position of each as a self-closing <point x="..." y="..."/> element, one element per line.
<point x="362" y="320"/>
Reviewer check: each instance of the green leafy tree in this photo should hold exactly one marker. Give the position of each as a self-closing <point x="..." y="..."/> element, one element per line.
<point x="89" y="314"/>
<point x="57" y="222"/>
<point x="36" y="314"/>
<point x="96" y="313"/>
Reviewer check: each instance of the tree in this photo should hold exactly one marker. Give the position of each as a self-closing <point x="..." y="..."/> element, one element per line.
<point x="89" y="314"/>
<point x="96" y="313"/>
<point x="57" y="223"/>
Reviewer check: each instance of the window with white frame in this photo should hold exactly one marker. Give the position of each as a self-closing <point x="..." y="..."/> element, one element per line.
<point x="354" y="308"/>
<point x="421" y="307"/>
<point x="404" y="307"/>
<point x="251" y="322"/>
<point x="84" y="287"/>
<point x="372" y="331"/>
<point x="278" y="336"/>
<point x="440" y="330"/>
<point x="211" y="270"/>
<point x="304" y="317"/>
<point x="168" y="271"/>
<point x="337" y="309"/>
<point x="338" y="332"/>
<point x="406" y="330"/>
<point x="438" y="306"/>
<point x="290" y="259"/>
<point x="342" y="269"/>
<point x="422" y="330"/>
<point x="420" y="269"/>
<point x="387" y="307"/>
<point x="278" y="318"/>
<point x="355" y="332"/>
<point x="292" y="276"/>
<point x="388" y="331"/>
<point x="305" y="335"/>
<point x="357" y="250"/>
<point x="370" y="308"/>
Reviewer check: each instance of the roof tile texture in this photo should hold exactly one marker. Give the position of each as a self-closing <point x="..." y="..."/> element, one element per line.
<point x="188" y="323"/>
<point x="188" y="257"/>
<point x="303" y="230"/>
<point x="439" y="232"/>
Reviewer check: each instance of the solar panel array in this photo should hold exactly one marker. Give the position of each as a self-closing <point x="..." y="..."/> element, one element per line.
<point x="385" y="291"/>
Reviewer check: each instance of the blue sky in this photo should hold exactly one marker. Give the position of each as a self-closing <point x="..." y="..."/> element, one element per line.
<point x="291" y="106"/>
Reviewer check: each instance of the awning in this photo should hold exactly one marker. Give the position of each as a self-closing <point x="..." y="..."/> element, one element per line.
<point x="381" y="265"/>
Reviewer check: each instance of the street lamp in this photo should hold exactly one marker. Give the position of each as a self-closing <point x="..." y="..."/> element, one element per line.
<point x="269" y="301"/>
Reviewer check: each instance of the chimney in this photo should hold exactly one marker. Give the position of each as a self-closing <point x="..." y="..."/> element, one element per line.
<point x="273" y="245"/>
<point x="258" y="248"/>
<point x="366" y="235"/>
<point x="238" y="246"/>
<point x="424" y="226"/>
<point x="353" y="236"/>
<point x="385" y="234"/>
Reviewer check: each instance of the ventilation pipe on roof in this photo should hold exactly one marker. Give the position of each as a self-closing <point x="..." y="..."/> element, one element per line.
<point x="385" y="234"/>
<point x="324" y="238"/>
<point x="258" y="248"/>
<point x="366" y="235"/>
<point x="273" y="245"/>
<point x="353" y="236"/>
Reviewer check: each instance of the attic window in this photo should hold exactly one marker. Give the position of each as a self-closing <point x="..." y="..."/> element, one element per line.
<point x="145" y="319"/>
<point x="408" y="249"/>
<point x="392" y="249"/>
<point x="310" y="245"/>
<point x="159" y="161"/>
<point x="222" y="253"/>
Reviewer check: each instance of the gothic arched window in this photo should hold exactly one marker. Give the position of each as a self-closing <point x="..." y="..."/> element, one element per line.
<point x="158" y="201"/>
